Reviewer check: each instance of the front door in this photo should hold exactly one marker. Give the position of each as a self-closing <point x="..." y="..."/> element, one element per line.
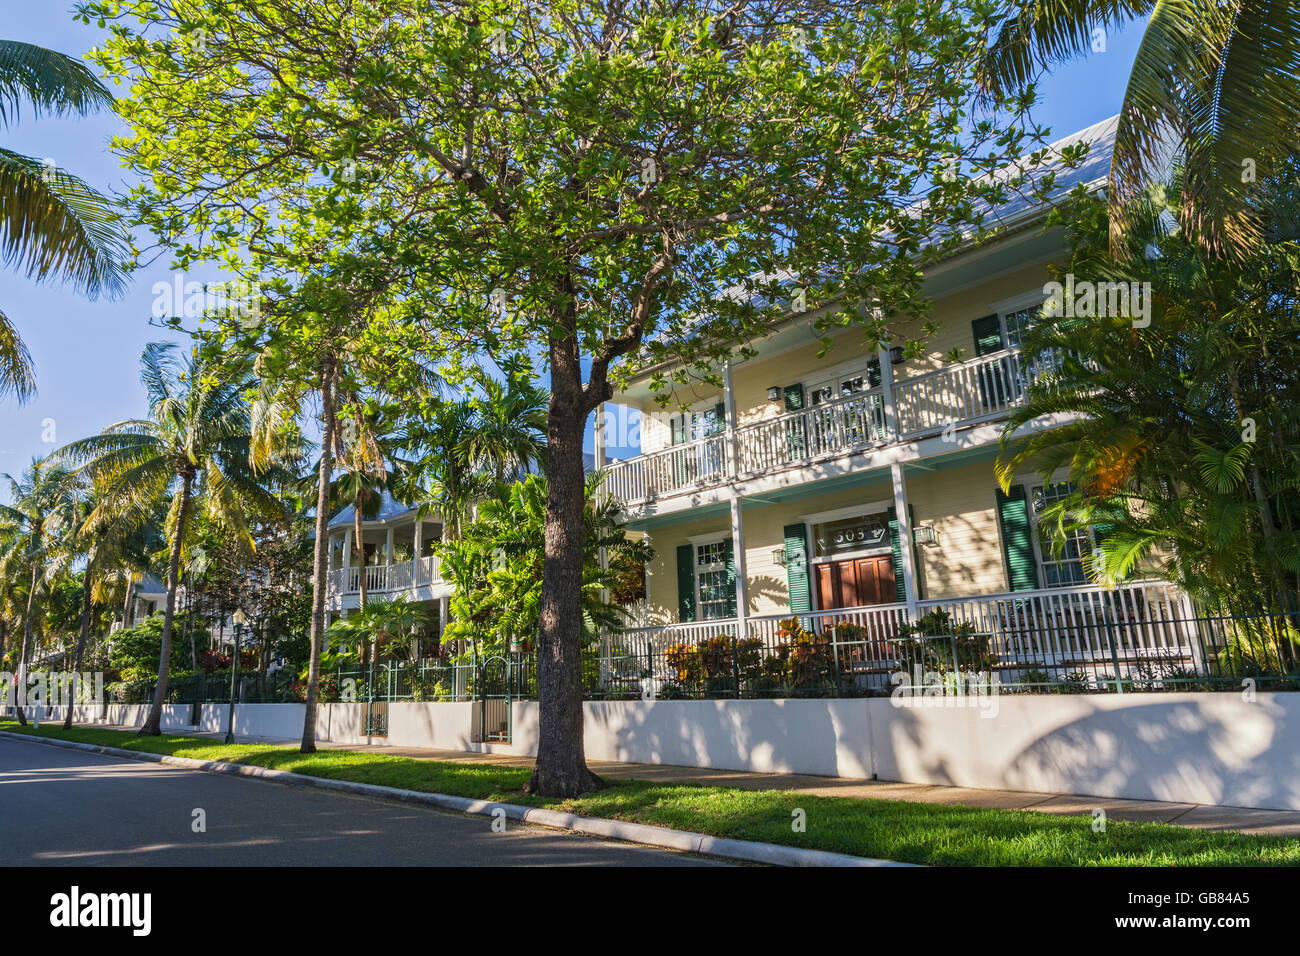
<point x="856" y="582"/>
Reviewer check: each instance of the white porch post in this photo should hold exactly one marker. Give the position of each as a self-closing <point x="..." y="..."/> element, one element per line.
<point x="905" y="543"/>
<point x="600" y="435"/>
<point x="738" y="559"/>
<point x="729" y="409"/>
<point x="347" y="549"/>
<point x="599" y="439"/>
<point x="388" y="547"/>
<point x="887" y="390"/>
<point x="417" y="548"/>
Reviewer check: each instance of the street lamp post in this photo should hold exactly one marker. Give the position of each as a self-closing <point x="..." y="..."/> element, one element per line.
<point x="238" y="619"/>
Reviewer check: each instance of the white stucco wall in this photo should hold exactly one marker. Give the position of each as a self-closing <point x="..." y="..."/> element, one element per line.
<point x="1216" y="749"/>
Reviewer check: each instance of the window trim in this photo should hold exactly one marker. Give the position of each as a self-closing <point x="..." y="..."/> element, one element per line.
<point x="1030" y="481"/>
<point x="696" y="541"/>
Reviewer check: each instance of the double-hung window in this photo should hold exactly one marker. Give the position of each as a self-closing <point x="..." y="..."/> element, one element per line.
<point x="1066" y="568"/>
<point x="713" y="583"/>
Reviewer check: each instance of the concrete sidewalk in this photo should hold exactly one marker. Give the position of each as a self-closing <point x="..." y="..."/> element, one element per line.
<point x="1284" y="823"/>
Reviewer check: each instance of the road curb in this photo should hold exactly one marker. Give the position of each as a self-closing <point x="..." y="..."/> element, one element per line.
<point x="640" y="833"/>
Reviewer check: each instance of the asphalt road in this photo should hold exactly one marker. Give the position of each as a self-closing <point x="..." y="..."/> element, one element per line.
<point x="64" y="807"/>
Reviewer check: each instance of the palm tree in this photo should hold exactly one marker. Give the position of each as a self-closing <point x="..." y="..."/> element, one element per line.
<point x="443" y="476"/>
<point x="111" y="550"/>
<point x="195" y="447"/>
<point x="1223" y="76"/>
<point x="508" y="433"/>
<point x="43" y="506"/>
<point x="1182" y="443"/>
<point x="52" y="225"/>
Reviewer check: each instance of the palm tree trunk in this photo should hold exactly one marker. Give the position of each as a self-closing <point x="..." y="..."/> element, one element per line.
<point x="84" y="633"/>
<point x="320" y="554"/>
<point x="25" y="654"/>
<point x="153" y="724"/>
<point x="360" y="549"/>
<point x="126" y="605"/>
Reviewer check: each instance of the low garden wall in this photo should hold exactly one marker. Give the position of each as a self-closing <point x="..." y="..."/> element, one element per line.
<point x="1217" y="749"/>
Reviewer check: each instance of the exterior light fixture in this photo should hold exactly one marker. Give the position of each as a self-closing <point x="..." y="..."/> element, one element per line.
<point x="774" y="393"/>
<point x="896" y="355"/>
<point x="778" y="557"/>
<point x="924" y="535"/>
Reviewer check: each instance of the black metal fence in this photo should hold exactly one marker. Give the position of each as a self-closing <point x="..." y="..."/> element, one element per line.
<point x="1065" y="644"/>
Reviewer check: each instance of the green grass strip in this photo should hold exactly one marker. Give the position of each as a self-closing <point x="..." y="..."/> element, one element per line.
<point x="937" y="835"/>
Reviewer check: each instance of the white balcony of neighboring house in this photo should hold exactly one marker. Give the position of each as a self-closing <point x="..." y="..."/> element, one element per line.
<point x="395" y="558"/>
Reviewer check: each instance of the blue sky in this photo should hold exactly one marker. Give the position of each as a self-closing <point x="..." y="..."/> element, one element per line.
<point x="87" y="353"/>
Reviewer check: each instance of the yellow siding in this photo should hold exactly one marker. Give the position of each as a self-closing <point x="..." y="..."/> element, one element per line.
<point x="959" y="503"/>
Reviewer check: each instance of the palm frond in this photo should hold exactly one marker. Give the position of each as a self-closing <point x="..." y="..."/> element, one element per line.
<point x="55" y="226"/>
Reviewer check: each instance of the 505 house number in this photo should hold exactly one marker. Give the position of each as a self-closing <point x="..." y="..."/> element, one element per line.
<point x="871" y="532"/>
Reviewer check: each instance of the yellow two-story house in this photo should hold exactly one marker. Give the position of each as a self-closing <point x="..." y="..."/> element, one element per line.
<point x="860" y="486"/>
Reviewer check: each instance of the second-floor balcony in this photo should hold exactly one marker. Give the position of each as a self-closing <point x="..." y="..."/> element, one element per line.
<point x="959" y="395"/>
<point x="386" y="579"/>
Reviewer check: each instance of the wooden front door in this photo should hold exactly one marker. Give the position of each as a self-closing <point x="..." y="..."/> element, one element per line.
<point x="856" y="582"/>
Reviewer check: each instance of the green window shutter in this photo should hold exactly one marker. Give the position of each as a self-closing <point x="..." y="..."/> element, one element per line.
<point x="679" y="428"/>
<point x="729" y="557"/>
<point x="793" y="398"/>
<point x="685" y="583"/>
<point x="988" y="335"/>
<point x="873" y="373"/>
<point x="719" y="418"/>
<point x="796" y="568"/>
<point x="1017" y="539"/>
<point x="896" y="553"/>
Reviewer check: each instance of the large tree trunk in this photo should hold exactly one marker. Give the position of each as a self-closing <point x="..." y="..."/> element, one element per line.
<point x="25" y="654"/>
<point x="561" y="768"/>
<point x="320" y="554"/>
<point x="361" y="551"/>
<point x="153" y="723"/>
<point x="82" y="634"/>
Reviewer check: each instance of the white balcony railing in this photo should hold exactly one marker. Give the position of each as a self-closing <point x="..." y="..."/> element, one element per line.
<point x="670" y="469"/>
<point x="386" y="578"/>
<point x="972" y="391"/>
<point x="1092" y="628"/>
<point x="966" y="393"/>
<point x="844" y="424"/>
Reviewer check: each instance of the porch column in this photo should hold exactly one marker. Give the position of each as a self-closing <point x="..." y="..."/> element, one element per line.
<point x="599" y="439"/>
<point x="417" y="547"/>
<point x="444" y="614"/>
<point x="905" y="544"/>
<point x="887" y="390"/>
<point x="738" y="559"/>
<point x="388" y="547"/>
<point x="729" y="409"/>
<point x="347" y="550"/>
<point x="600" y="435"/>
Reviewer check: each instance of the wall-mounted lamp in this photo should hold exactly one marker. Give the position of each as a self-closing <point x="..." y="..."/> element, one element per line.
<point x="924" y="535"/>
<point x="778" y="557"/>
<point x="896" y="355"/>
<point x="774" y="393"/>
